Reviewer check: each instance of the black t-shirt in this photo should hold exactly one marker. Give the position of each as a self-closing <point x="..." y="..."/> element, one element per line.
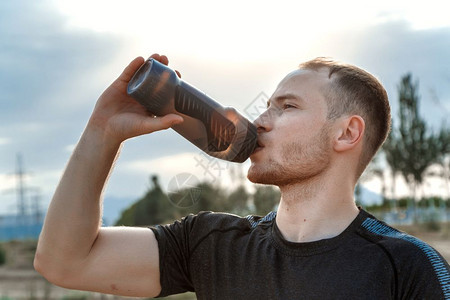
<point x="223" y="256"/>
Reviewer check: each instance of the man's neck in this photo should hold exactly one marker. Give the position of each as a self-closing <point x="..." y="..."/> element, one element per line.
<point x="315" y="210"/>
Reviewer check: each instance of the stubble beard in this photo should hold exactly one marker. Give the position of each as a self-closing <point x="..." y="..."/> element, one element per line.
<point x="300" y="163"/>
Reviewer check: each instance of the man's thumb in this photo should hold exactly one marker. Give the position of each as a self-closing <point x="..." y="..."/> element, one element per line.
<point x="170" y="120"/>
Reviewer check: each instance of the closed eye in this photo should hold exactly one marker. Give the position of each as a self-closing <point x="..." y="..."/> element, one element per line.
<point x="287" y="105"/>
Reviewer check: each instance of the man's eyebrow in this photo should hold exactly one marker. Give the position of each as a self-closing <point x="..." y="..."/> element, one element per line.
<point x="280" y="98"/>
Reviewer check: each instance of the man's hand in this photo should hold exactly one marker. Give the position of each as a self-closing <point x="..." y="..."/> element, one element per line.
<point x="120" y="116"/>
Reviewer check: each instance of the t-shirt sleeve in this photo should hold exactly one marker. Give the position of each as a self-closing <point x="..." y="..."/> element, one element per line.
<point x="174" y="255"/>
<point x="420" y="271"/>
<point x="426" y="274"/>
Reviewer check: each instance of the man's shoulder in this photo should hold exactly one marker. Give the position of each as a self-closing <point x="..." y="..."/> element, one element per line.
<point x="207" y="227"/>
<point x="410" y="256"/>
<point x="206" y="222"/>
<point x="406" y="251"/>
<point x="393" y="239"/>
<point x="222" y="221"/>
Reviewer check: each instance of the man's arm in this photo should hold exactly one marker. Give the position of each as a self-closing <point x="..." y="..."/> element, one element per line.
<point x="74" y="251"/>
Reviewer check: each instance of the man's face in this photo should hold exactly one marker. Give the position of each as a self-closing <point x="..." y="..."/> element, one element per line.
<point x="293" y="132"/>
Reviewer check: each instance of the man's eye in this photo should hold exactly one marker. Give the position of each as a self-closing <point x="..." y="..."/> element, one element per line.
<point x="287" y="105"/>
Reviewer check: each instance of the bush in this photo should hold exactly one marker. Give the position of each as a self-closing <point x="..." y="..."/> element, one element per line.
<point x="432" y="222"/>
<point x="2" y="255"/>
<point x="76" y="296"/>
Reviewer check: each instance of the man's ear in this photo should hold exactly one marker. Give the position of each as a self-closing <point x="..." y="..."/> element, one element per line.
<point x="351" y="130"/>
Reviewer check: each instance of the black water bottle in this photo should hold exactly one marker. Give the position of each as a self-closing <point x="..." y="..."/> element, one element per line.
<point x="219" y="131"/>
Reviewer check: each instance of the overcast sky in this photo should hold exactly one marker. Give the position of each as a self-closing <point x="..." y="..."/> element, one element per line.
<point x="56" y="57"/>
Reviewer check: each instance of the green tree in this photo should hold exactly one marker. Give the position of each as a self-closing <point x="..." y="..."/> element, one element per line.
<point x="443" y="159"/>
<point x="237" y="201"/>
<point x="204" y="196"/>
<point x="394" y="158"/>
<point x="211" y="198"/>
<point x="2" y="255"/>
<point x="153" y="208"/>
<point x="414" y="147"/>
<point x="127" y="216"/>
<point x="265" y="199"/>
<point x="373" y="170"/>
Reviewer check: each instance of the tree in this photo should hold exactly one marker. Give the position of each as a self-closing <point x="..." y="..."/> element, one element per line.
<point x="153" y="208"/>
<point x="2" y="255"/>
<point x="413" y="148"/>
<point x="444" y="159"/>
<point x="211" y="198"/>
<point x="373" y="170"/>
<point x="127" y="216"/>
<point x="238" y="201"/>
<point x="265" y="199"/>
<point x="207" y="197"/>
<point x="393" y="156"/>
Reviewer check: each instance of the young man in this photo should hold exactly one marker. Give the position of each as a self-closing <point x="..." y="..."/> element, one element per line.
<point x="324" y="123"/>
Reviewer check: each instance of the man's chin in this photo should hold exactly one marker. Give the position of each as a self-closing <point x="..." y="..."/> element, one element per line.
<point x="259" y="177"/>
<point x="251" y="174"/>
<point x="252" y="178"/>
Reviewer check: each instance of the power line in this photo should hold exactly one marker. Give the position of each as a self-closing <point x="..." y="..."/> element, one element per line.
<point x="25" y="209"/>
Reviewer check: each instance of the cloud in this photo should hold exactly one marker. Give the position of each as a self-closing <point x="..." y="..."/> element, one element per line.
<point x="4" y="141"/>
<point x="39" y="57"/>
<point x="49" y="78"/>
<point x="392" y="49"/>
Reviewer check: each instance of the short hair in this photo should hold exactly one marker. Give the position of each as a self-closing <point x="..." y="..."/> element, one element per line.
<point x="355" y="91"/>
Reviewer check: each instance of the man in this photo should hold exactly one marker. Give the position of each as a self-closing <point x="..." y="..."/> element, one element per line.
<point x="324" y="123"/>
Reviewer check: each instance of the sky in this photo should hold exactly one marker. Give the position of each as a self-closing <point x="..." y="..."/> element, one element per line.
<point x="56" y="58"/>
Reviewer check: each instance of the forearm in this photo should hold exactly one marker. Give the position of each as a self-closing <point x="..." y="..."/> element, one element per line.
<point x="74" y="215"/>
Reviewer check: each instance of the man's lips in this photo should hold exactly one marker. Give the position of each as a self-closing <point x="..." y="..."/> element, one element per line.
<point x="259" y="146"/>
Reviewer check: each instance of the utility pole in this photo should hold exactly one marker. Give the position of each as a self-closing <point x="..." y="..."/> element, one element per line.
<point x="26" y="222"/>
<point x="21" y="205"/>
<point x="25" y="209"/>
<point x="37" y="208"/>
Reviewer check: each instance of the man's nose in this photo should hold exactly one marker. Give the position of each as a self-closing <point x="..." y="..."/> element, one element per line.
<point x="263" y="122"/>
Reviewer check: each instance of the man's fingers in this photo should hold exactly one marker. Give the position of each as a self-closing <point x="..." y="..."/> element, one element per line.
<point x="170" y="120"/>
<point x="132" y="67"/>
<point x="155" y="56"/>
<point x="164" y="60"/>
<point x="160" y="123"/>
<point x="161" y="58"/>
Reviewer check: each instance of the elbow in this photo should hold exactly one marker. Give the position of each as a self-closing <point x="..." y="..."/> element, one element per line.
<point x="50" y="270"/>
<point x="42" y="266"/>
<point x="38" y="264"/>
